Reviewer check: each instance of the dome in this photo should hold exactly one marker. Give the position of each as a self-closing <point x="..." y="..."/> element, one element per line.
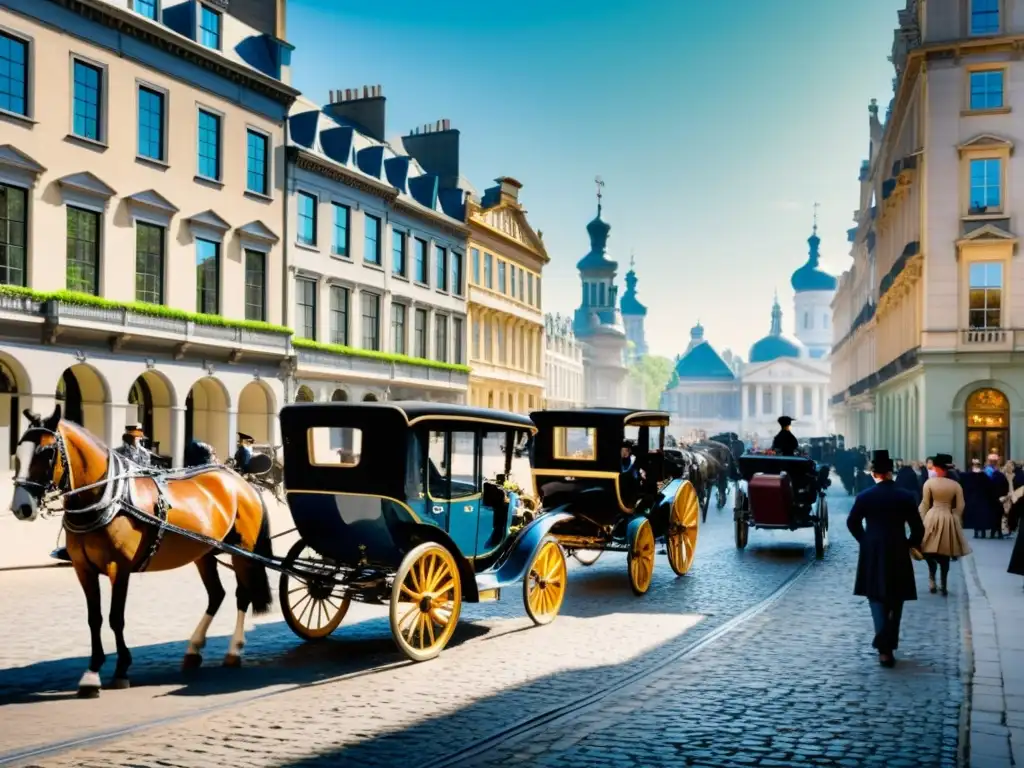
<point x="702" y="362"/>
<point x="597" y="260"/>
<point x="630" y="304"/>
<point x="809" y="277"/>
<point x="775" y="345"/>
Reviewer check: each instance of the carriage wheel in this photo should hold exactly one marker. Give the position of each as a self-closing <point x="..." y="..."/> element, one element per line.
<point x="640" y="558"/>
<point x="545" y="582"/>
<point x="821" y="531"/>
<point x="586" y="556"/>
<point x="426" y="601"/>
<point x="312" y="607"/>
<point x="742" y="531"/>
<point x="682" y="530"/>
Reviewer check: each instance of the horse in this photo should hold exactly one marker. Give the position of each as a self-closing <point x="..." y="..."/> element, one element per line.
<point x="113" y="515"/>
<point x="723" y="466"/>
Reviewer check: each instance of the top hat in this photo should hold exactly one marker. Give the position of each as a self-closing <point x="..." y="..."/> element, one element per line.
<point x="244" y="438"/>
<point x="942" y="460"/>
<point x="785" y="421"/>
<point x="880" y="462"/>
<point x="135" y="430"/>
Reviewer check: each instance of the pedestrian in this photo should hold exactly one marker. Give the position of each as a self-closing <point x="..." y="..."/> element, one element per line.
<point x="885" y="571"/>
<point x="907" y="479"/>
<point x="785" y="442"/>
<point x="976" y="505"/>
<point x="942" y="507"/>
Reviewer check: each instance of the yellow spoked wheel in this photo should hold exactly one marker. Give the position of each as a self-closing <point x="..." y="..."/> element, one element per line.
<point x="426" y="600"/>
<point x="683" y="525"/>
<point x="545" y="582"/>
<point x="641" y="558"/>
<point x="312" y="606"/>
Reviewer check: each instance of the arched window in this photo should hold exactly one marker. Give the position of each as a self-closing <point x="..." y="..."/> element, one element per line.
<point x="988" y="424"/>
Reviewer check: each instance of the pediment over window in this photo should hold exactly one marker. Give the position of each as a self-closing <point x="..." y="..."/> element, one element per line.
<point x="154" y="201"/>
<point x="86" y="183"/>
<point x="257" y="230"/>
<point x="14" y="159"/>
<point x="991" y="233"/>
<point x="209" y="220"/>
<point x="985" y="141"/>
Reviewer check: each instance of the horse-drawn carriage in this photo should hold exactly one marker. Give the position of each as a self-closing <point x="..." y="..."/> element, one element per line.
<point x="578" y="469"/>
<point x="782" y="493"/>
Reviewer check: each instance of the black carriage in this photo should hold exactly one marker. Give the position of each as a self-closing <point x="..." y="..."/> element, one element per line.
<point x="578" y="475"/>
<point x="782" y="493"/>
<point x="402" y="503"/>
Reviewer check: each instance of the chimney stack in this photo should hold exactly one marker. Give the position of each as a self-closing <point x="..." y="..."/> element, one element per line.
<point x="364" y="111"/>
<point x="435" y="146"/>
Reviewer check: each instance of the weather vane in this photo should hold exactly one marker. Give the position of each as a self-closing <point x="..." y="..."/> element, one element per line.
<point x="632" y="259"/>
<point x="600" y="185"/>
<point x="816" y="207"/>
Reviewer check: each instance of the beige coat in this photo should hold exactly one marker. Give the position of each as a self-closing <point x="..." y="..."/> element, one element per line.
<point x="942" y="508"/>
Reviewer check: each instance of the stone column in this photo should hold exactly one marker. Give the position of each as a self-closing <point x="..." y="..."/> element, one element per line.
<point x="177" y="446"/>
<point x="355" y="317"/>
<point x="759" y="405"/>
<point x="117" y="416"/>
<point x="745" y="405"/>
<point x="232" y="438"/>
<point x="777" y="401"/>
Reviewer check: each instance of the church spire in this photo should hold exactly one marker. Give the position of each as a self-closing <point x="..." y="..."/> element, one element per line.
<point x="814" y="242"/>
<point x="776" y="329"/>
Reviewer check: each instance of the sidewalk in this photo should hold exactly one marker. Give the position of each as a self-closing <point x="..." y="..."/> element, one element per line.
<point x="997" y="635"/>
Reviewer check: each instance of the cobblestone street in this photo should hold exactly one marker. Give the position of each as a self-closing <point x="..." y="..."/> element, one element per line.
<point x="789" y="682"/>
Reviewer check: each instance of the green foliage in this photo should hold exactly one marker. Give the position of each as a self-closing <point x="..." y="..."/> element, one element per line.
<point x="653" y="374"/>
<point x="340" y="349"/>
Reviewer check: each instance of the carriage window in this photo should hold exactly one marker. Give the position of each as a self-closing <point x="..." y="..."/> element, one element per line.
<point x="451" y="465"/>
<point x="493" y="454"/>
<point x="576" y="443"/>
<point x="335" y="446"/>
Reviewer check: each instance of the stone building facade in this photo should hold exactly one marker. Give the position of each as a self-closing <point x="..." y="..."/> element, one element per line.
<point x="563" y="364"/>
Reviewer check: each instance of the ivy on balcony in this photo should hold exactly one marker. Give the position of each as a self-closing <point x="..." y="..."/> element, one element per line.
<point x="388" y="357"/>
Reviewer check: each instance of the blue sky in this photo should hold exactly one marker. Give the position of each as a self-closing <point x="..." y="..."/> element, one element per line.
<point x="715" y="126"/>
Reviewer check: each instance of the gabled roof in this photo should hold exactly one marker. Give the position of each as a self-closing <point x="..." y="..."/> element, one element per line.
<point x="211" y="219"/>
<point x="258" y="231"/>
<point x="12" y="157"/>
<point x="703" y="362"/>
<point x="153" y="200"/>
<point x="87" y="182"/>
<point x="985" y="141"/>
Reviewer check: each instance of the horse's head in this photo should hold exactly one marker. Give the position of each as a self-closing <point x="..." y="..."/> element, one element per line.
<point x="39" y="463"/>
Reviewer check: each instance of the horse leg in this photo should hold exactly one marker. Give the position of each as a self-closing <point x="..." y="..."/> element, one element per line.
<point x="89" y="578"/>
<point x="233" y="658"/>
<point x="207" y="566"/>
<point x="118" y="598"/>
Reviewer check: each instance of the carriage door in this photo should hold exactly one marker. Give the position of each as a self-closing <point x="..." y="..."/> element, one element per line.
<point x="454" y="487"/>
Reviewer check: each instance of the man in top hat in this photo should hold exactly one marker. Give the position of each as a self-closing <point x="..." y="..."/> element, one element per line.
<point x="131" y="447"/>
<point x="885" y="571"/>
<point x="244" y="452"/>
<point x="785" y="443"/>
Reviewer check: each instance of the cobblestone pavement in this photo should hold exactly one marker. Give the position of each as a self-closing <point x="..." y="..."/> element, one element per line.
<point x="805" y="663"/>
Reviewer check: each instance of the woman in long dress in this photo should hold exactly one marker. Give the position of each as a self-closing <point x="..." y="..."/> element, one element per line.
<point x="942" y="507"/>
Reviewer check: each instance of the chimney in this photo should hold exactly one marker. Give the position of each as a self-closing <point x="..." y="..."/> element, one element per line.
<point x="509" y="188"/>
<point x="363" y="108"/>
<point x="435" y="146"/>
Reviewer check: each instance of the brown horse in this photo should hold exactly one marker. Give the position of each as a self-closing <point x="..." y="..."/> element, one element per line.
<point x="112" y="513"/>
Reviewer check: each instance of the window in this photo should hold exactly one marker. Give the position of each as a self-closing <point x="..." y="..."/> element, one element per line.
<point x="808" y="401"/>
<point x="209" y="27"/>
<point x="339" y="315"/>
<point x="807" y="319"/>
<point x="984" y="17"/>
<point x="305" y="308"/>
<point x="986" y="181"/>
<point x="209" y="145"/>
<point x="398" y="328"/>
<point x="458" y="356"/>
<point x="986" y="294"/>
<point x="441" y="338"/>
<point x="488" y="340"/>
<point x="766" y="401"/>
<point x="339" y="244"/>
<point x="420" y="261"/>
<point x="475" y="256"/>
<point x="420" y="333"/>
<point x="987" y="89"/>
<point x="256" y="166"/>
<point x="371" y="321"/>
<point x="475" y="351"/>
<point x="149" y="263"/>
<point x="207" y="277"/>
<point x="145" y="8"/>
<point x="538" y="291"/>
<point x="529" y="288"/>
<point x="13" y="74"/>
<point x="441" y="265"/>
<point x="83" y="265"/>
<point x="512" y="280"/>
<point x="88" y="93"/>
<point x="457" y="286"/>
<point x="306" y="208"/>
<point x="255" y="285"/>
<point x="371" y="248"/>
<point x="502" y="357"/>
<point x="151" y="124"/>
<point x="449" y="472"/>
<point x="501" y="276"/>
<point x="575" y="443"/>
<point x="752" y="401"/>
<point x="488" y="271"/>
<point x="334" y="446"/>
<point x="12" y="235"/>
<point x="398" y="265"/>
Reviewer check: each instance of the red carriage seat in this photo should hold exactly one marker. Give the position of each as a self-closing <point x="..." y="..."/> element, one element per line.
<point x="771" y="499"/>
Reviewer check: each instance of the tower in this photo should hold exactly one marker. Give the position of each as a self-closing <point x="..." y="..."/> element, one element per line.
<point x="633" y="315"/>
<point x="812" y="301"/>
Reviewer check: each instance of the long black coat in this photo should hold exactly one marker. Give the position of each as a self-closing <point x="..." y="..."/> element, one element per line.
<point x="1017" y="557"/>
<point x="885" y="572"/>
<point x="907" y="479"/>
<point x="975" y="485"/>
<point x="785" y="443"/>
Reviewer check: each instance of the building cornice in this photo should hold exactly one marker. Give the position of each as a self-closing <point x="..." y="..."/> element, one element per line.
<point x="475" y="216"/>
<point x="129" y="23"/>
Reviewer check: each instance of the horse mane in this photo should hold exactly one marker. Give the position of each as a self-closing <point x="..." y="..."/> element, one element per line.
<point x="77" y="429"/>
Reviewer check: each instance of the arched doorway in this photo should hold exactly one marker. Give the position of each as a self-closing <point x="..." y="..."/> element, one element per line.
<point x="988" y="424"/>
<point x="206" y="415"/>
<point x="339" y="396"/>
<point x="9" y="416"/>
<point x="255" y="409"/>
<point x="370" y="398"/>
<point x="304" y="395"/>
<point x="82" y="394"/>
<point x="152" y="400"/>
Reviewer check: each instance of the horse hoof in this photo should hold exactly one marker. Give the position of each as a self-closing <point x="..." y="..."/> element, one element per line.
<point x="120" y="684"/>
<point x="232" y="660"/>
<point x="88" y="691"/>
<point x="191" y="661"/>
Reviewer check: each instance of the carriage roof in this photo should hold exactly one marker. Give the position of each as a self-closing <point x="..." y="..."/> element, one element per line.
<point x="600" y="417"/>
<point x="398" y="412"/>
<point x="609" y="424"/>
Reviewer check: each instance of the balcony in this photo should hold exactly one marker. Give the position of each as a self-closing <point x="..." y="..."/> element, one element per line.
<point x="986" y="340"/>
<point x="331" y="361"/>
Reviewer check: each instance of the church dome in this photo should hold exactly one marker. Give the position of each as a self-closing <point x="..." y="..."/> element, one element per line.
<point x="775" y="345"/>
<point x="597" y="260"/>
<point x="810" y="277"/>
<point x="630" y="304"/>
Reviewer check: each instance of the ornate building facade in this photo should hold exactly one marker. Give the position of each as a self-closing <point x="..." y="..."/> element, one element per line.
<point x="563" y="364"/>
<point x="926" y="354"/>
<point x="507" y="326"/>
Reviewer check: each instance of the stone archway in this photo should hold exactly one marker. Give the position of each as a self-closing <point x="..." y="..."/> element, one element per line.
<point x="339" y="396"/>
<point x="83" y="395"/>
<point x="10" y="413"/>
<point x="151" y="400"/>
<point x="304" y="395"/>
<point x="987" y="417"/>
<point x="256" y="407"/>
<point x="206" y="415"/>
<point x="369" y="397"/>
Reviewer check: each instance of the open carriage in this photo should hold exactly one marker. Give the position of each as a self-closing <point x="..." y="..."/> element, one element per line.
<point x="403" y="503"/>
<point x="577" y="472"/>
<point x="782" y="493"/>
